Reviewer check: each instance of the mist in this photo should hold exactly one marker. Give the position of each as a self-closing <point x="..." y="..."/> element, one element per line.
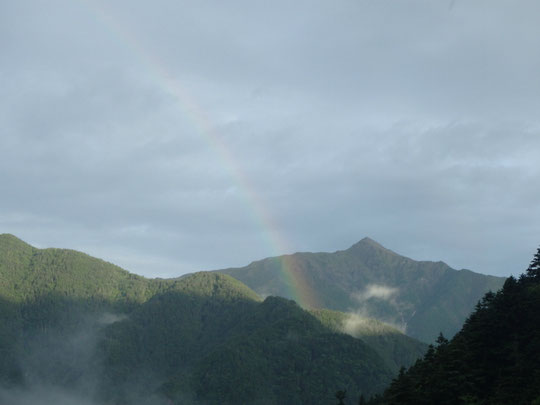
<point x="381" y="302"/>
<point x="64" y="365"/>
<point x="42" y="394"/>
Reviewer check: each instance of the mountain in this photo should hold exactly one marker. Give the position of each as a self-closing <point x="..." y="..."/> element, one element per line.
<point x="423" y="298"/>
<point x="493" y="359"/>
<point x="222" y="352"/>
<point x="76" y="329"/>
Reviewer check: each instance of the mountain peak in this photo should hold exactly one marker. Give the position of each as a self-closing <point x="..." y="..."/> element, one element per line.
<point x="368" y="241"/>
<point x="368" y="244"/>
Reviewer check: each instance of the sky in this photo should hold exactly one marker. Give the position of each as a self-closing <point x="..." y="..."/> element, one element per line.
<point x="174" y="136"/>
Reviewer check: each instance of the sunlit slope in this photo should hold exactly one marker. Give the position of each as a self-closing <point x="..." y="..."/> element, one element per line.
<point x="422" y="298"/>
<point x="28" y="273"/>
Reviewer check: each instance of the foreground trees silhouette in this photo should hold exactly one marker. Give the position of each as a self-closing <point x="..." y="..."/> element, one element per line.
<point x="494" y="359"/>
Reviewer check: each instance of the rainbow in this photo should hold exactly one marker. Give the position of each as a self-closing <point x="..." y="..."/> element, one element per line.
<point x="291" y="272"/>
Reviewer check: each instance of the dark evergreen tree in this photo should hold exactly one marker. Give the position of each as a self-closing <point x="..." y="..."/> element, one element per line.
<point x="534" y="268"/>
<point x="341" y="395"/>
<point x="441" y="340"/>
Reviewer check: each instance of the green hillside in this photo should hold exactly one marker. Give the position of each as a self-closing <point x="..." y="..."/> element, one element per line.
<point x="394" y="347"/>
<point x="494" y="359"/>
<point x="422" y="298"/>
<point x="27" y="274"/>
<point x="237" y="352"/>
<point x="72" y="326"/>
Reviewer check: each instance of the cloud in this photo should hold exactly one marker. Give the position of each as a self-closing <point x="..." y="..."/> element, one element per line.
<point x="109" y="318"/>
<point x="377" y="291"/>
<point x="185" y="134"/>
<point x="358" y="325"/>
<point x="380" y="302"/>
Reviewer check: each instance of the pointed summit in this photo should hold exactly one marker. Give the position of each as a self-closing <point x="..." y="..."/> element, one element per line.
<point x="368" y="242"/>
<point x="368" y="247"/>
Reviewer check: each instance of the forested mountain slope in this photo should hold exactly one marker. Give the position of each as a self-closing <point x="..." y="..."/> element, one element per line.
<point x="27" y="274"/>
<point x="422" y="298"/>
<point x="235" y="352"/>
<point x="397" y="349"/>
<point x="494" y="359"/>
<point x="79" y="330"/>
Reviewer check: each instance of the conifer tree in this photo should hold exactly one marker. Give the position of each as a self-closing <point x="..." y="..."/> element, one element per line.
<point x="340" y="395"/>
<point x="534" y="268"/>
<point x="441" y="340"/>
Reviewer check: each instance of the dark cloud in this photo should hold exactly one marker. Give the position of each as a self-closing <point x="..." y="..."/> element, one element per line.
<point x="181" y="136"/>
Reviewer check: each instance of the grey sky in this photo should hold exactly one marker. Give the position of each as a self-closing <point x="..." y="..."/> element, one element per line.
<point x="174" y="136"/>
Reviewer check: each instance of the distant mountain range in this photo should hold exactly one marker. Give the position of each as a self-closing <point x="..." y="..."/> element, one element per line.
<point x="75" y="329"/>
<point x="421" y="298"/>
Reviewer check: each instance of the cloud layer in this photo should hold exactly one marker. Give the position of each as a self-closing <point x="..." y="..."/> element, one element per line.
<point x="177" y="136"/>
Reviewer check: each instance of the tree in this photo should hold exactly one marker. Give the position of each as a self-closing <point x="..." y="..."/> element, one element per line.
<point x="340" y="395"/>
<point x="441" y="340"/>
<point x="534" y="268"/>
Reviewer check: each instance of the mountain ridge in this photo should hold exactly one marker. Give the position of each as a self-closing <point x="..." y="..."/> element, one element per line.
<point x="383" y="284"/>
